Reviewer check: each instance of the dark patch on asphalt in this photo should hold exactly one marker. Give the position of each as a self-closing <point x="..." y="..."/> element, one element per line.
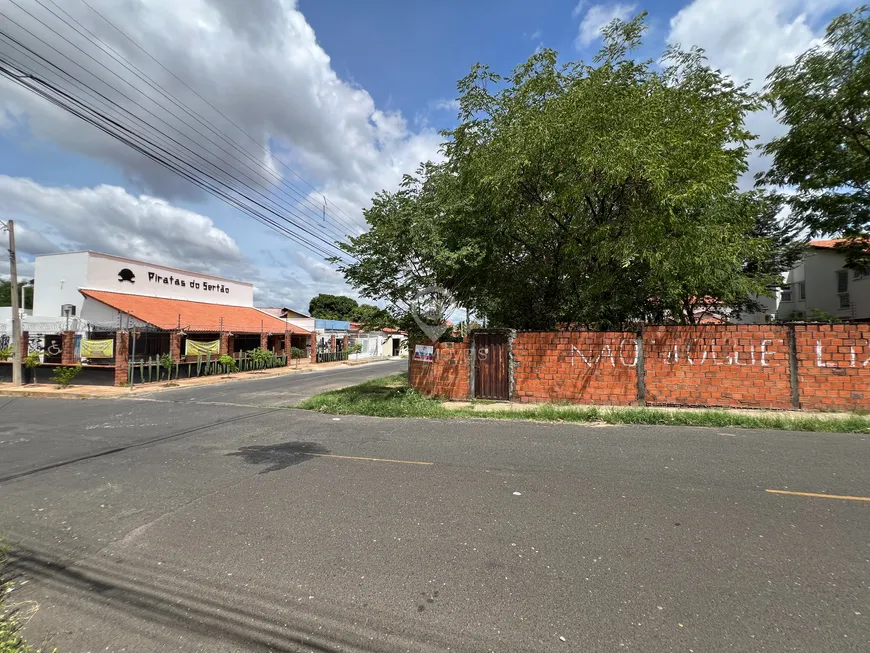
<point x="280" y="456"/>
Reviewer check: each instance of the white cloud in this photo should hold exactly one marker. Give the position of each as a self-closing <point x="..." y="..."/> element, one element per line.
<point x="599" y="16"/>
<point x="536" y="35"/>
<point x="747" y="39"/>
<point x="109" y="219"/>
<point x="447" y="105"/>
<point x="578" y="9"/>
<point x="257" y="61"/>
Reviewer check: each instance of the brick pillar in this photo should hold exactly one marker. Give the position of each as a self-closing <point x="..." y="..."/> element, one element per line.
<point x="68" y="348"/>
<point x="264" y="341"/>
<point x="226" y="344"/>
<point x="344" y="340"/>
<point x="24" y="344"/>
<point x="332" y="343"/>
<point x="122" y="357"/>
<point x="288" y="345"/>
<point x="175" y="345"/>
<point x="312" y="340"/>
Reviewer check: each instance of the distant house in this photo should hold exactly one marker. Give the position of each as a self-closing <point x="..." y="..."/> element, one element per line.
<point x="294" y="317"/>
<point x="822" y="282"/>
<point x="384" y="341"/>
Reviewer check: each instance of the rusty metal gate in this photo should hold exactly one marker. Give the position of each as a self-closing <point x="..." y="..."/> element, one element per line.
<point x="491" y="378"/>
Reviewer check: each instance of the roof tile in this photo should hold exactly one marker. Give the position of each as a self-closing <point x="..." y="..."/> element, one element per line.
<point x="200" y="316"/>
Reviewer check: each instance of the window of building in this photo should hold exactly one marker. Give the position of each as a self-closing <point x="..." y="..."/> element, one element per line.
<point x="802" y="291"/>
<point x="844" y="300"/>
<point x="786" y="294"/>
<point x="842" y="281"/>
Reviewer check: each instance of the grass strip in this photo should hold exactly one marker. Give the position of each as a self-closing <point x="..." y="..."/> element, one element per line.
<point x="391" y="397"/>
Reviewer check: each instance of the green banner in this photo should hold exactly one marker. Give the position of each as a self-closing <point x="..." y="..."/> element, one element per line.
<point x="97" y="348"/>
<point x="195" y="347"/>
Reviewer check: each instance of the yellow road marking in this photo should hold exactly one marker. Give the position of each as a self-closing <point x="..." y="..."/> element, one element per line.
<point x="373" y="460"/>
<point x="821" y="496"/>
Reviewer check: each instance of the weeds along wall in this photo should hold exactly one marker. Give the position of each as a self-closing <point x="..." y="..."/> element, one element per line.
<point x="811" y="366"/>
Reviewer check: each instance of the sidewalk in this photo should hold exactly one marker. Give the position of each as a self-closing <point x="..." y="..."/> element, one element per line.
<point x="486" y="406"/>
<point x="113" y="392"/>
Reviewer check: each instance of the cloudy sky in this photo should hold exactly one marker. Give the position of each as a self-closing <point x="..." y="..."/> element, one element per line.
<point x="298" y="100"/>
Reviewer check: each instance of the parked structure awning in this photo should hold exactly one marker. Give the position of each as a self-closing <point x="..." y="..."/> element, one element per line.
<point x="198" y="316"/>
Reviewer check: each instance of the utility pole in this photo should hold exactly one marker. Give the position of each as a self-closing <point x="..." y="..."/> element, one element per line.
<point x="16" y="316"/>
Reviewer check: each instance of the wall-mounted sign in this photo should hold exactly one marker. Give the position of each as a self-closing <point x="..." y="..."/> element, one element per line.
<point x="424" y="353"/>
<point x="200" y="348"/>
<point x="97" y="348"/>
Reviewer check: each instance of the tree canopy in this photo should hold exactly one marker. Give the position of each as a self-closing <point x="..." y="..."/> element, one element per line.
<point x="580" y="194"/>
<point x="6" y="296"/>
<point x="824" y="100"/>
<point x="339" y="307"/>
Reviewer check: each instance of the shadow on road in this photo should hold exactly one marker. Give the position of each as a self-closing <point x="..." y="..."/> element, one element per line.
<point x="91" y="592"/>
<point x="280" y="456"/>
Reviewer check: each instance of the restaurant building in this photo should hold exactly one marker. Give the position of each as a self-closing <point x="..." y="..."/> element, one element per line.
<point x="162" y="310"/>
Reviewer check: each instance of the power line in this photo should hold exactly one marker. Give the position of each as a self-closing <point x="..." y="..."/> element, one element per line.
<point x="156" y="86"/>
<point x="141" y="145"/>
<point x="220" y="113"/>
<point x="127" y="97"/>
<point x="47" y="64"/>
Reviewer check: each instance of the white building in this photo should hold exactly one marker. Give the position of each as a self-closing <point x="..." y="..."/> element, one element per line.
<point x="59" y="278"/>
<point x="821" y="282"/>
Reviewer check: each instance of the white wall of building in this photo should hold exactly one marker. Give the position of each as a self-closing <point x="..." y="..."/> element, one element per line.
<point x="818" y="273"/>
<point x="58" y="278"/>
<point x="306" y="323"/>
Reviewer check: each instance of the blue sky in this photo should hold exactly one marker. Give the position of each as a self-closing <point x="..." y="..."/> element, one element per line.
<point x="349" y="94"/>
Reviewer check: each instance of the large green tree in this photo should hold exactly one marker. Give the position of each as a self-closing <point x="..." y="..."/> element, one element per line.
<point x="340" y="307"/>
<point x="6" y="294"/>
<point x="587" y="194"/>
<point x="824" y="100"/>
<point x="332" y="307"/>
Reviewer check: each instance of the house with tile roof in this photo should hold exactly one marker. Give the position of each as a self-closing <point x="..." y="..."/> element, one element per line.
<point x="170" y="307"/>
<point x="821" y="282"/>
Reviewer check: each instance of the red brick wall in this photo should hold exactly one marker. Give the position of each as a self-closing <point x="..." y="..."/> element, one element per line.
<point x="68" y="348"/>
<point x="122" y="372"/>
<point x="581" y="367"/>
<point x="447" y="375"/>
<point x="736" y="366"/>
<point x="745" y="366"/>
<point x="834" y="366"/>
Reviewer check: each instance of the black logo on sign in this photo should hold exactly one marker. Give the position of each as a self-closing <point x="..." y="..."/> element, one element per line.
<point x="127" y="275"/>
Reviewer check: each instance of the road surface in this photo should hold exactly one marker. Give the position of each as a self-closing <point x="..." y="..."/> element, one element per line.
<point x="261" y="529"/>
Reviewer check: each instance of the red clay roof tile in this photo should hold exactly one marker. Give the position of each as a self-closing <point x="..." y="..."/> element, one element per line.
<point x="201" y="316"/>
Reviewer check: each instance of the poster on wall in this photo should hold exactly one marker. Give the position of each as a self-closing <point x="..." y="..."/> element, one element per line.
<point x="424" y="353"/>
<point x="198" y="348"/>
<point x="97" y="348"/>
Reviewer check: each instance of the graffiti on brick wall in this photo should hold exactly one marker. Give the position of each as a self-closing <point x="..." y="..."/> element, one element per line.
<point x="854" y="358"/>
<point x="694" y="351"/>
<point x="627" y="354"/>
<point x="4" y="340"/>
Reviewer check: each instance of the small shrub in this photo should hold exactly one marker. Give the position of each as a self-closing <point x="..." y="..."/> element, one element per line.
<point x="262" y="357"/>
<point x="228" y="362"/>
<point x="31" y="360"/>
<point x="295" y="352"/>
<point x="5" y="353"/>
<point x="63" y="376"/>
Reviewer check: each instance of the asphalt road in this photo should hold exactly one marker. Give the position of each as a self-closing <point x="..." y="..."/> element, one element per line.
<point x="280" y="530"/>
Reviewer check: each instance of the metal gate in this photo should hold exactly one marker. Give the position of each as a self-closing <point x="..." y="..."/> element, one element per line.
<point x="491" y="378"/>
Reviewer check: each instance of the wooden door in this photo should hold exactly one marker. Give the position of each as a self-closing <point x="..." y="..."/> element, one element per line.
<point x="491" y="378"/>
